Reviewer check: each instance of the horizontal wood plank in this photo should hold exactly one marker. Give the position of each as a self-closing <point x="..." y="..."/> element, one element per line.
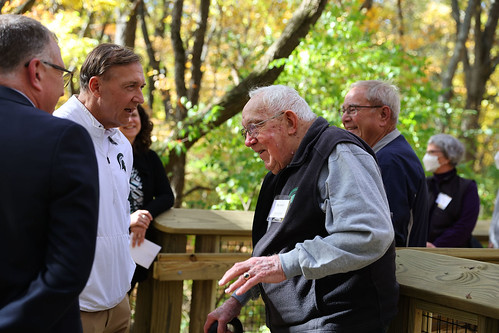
<point x="195" y="266"/>
<point x="467" y="285"/>
<point x="205" y="222"/>
<point x="485" y="254"/>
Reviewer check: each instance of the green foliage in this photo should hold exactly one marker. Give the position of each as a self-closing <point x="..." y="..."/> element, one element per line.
<point x="340" y="51"/>
<point x="231" y="171"/>
<point x="336" y="53"/>
<point x="345" y="45"/>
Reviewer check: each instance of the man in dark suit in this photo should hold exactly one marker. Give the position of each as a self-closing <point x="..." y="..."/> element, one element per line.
<point x="370" y="111"/>
<point x="49" y="189"/>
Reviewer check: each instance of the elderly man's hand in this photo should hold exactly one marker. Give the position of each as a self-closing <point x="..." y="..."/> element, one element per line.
<point x="253" y="271"/>
<point x="225" y="313"/>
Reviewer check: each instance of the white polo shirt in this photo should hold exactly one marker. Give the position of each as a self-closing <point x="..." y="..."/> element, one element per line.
<point x="113" y="266"/>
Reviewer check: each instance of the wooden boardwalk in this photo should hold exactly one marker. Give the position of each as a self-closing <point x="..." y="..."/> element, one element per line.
<point x="456" y="283"/>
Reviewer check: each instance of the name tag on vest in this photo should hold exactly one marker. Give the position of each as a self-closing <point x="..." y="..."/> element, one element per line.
<point x="279" y="208"/>
<point x="443" y="200"/>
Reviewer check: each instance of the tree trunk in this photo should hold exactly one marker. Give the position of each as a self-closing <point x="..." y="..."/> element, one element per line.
<point x="479" y="74"/>
<point x="25" y="7"/>
<point x="2" y="3"/>
<point x="198" y="54"/>
<point x="180" y="58"/>
<point x="401" y="19"/>
<point x="460" y="47"/>
<point x="367" y="4"/>
<point x="176" y="167"/>
<point x="153" y="62"/>
<point x="126" y="25"/>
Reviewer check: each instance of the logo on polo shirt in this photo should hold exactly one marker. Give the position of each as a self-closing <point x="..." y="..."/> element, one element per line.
<point x="121" y="162"/>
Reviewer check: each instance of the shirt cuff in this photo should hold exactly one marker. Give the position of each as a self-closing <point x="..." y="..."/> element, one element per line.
<point x="253" y="293"/>
<point x="290" y="263"/>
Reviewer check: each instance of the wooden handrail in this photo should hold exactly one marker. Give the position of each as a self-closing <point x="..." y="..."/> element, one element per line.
<point x="485" y="254"/>
<point x="447" y="284"/>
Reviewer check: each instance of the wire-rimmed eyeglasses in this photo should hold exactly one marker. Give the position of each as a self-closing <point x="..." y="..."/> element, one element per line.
<point x="252" y="129"/>
<point x="352" y="110"/>
<point x="67" y="76"/>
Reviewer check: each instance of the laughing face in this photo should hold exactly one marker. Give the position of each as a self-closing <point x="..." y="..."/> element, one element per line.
<point x="271" y="139"/>
<point x="364" y="121"/>
<point x="119" y="93"/>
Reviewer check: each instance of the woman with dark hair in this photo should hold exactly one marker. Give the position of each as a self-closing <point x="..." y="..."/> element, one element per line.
<point x="150" y="191"/>
<point x="453" y="201"/>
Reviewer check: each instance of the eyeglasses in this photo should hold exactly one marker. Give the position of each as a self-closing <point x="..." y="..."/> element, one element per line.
<point x="68" y="75"/>
<point x="352" y="110"/>
<point x="252" y="129"/>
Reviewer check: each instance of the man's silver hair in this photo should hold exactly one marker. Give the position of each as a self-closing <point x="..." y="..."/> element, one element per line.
<point x="451" y="147"/>
<point x="279" y="98"/>
<point x="381" y="92"/>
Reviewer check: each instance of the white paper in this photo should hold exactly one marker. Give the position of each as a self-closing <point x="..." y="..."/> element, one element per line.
<point x="144" y="254"/>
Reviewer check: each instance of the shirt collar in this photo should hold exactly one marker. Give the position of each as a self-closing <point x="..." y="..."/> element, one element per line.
<point x="19" y="91"/>
<point x="95" y="126"/>
<point x="386" y="140"/>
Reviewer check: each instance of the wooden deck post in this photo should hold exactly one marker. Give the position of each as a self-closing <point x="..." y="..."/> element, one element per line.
<point x="203" y="291"/>
<point x="159" y="303"/>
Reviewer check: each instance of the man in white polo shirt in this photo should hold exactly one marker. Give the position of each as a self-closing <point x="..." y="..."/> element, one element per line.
<point x="111" y="80"/>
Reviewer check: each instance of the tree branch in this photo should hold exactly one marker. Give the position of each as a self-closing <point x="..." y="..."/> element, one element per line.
<point x="180" y="57"/>
<point x="488" y="37"/>
<point x="264" y="74"/>
<point x="25" y="7"/>
<point x="197" y="52"/>
<point x="2" y="3"/>
<point x="459" y="49"/>
<point x="401" y="18"/>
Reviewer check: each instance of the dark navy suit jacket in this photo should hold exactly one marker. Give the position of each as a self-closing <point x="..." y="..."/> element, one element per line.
<point x="48" y="217"/>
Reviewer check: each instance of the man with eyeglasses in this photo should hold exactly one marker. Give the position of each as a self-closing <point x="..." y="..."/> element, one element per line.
<point x="323" y="255"/>
<point x="67" y="75"/>
<point x="49" y="194"/>
<point x="371" y="110"/>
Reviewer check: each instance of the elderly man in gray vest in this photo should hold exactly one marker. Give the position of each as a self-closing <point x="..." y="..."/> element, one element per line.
<point x="324" y="255"/>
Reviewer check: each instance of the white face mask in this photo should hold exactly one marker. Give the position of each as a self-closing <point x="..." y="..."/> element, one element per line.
<point x="430" y="162"/>
<point x="496" y="159"/>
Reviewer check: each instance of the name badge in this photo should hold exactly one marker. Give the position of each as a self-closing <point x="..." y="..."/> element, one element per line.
<point x="443" y="200"/>
<point x="279" y="208"/>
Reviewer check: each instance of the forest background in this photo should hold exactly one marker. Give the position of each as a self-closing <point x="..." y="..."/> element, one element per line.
<point x="201" y="57"/>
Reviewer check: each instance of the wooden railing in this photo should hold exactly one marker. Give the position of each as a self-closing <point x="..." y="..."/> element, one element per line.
<point x="435" y="286"/>
<point x="456" y="283"/>
<point x="159" y="300"/>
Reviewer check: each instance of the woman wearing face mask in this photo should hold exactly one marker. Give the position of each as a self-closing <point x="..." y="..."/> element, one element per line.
<point x="494" y="224"/>
<point x="453" y="201"/>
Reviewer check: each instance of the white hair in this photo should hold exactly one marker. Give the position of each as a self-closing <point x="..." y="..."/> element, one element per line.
<point x="381" y="92"/>
<point x="278" y="98"/>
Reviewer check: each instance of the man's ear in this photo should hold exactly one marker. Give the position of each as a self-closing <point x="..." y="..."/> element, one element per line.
<point x="36" y="74"/>
<point x="291" y="121"/>
<point x="385" y="114"/>
<point x="94" y="86"/>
